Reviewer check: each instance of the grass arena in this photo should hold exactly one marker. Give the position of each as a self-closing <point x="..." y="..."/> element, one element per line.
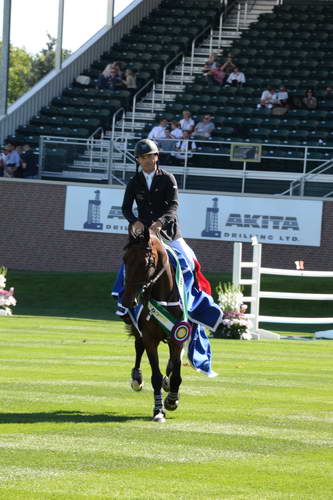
<point x="72" y="428"/>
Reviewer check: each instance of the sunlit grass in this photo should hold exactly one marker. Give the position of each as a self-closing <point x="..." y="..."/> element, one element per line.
<point x="71" y="428"/>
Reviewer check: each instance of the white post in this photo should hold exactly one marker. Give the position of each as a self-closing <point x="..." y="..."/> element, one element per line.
<point x="220" y="31"/>
<point x="238" y="17"/>
<point x="255" y="287"/>
<point x="236" y="264"/>
<point x="211" y="41"/>
<point x="163" y="85"/>
<point x="245" y="15"/>
<point x="192" y="56"/>
<point x="58" y="47"/>
<point x="110" y="12"/>
<point x="182" y="70"/>
<point x="153" y="98"/>
<point x="4" y="61"/>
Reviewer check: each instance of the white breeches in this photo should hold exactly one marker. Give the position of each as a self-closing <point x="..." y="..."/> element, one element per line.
<point x="185" y="250"/>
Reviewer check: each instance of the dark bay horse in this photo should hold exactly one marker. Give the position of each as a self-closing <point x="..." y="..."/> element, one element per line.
<point x="149" y="276"/>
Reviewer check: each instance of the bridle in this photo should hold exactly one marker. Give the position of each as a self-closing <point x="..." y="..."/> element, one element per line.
<point x="146" y="285"/>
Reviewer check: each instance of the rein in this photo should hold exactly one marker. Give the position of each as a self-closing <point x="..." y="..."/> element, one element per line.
<point x="146" y="285"/>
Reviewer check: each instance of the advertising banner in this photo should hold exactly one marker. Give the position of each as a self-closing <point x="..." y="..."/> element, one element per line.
<point x="205" y="216"/>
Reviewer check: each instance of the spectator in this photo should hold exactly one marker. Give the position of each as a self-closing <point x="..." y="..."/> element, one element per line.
<point x="13" y="160"/>
<point x="130" y="82"/>
<point x="187" y="123"/>
<point x="103" y="80"/>
<point x="282" y="97"/>
<point x="119" y="66"/>
<point x="218" y="75"/>
<point x="159" y="132"/>
<point x="173" y="133"/>
<point x="309" y="100"/>
<point x="176" y="131"/>
<point x="228" y="66"/>
<point x="280" y="102"/>
<point x="236" y="78"/>
<point x="130" y="79"/>
<point x="204" y="128"/>
<point x="184" y="145"/>
<point x="29" y="163"/>
<point x="268" y="98"/>
<point x="211" y="62"/>
<point x="206" y="71"/>
<point x="328" y="92"/>
<point x="3" y="158"/>
<point x="115" y="81"/>
<point x="110" y="78"/>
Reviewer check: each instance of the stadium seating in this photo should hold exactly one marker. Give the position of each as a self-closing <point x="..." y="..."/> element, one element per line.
<point x="289" y="47"/>
<point x="147" y="49"/>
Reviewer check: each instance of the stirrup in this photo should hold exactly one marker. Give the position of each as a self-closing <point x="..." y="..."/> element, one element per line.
<point x="121" y="311"/>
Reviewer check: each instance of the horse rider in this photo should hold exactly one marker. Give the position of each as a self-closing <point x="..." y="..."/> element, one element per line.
<point x="156" y="194"/>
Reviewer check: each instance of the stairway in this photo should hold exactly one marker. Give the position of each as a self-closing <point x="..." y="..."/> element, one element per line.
<point x="237" y="20"/>
<point x="93" y="164"/>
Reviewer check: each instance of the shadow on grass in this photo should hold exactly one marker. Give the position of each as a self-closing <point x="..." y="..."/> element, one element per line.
<point x="75" y="417"/>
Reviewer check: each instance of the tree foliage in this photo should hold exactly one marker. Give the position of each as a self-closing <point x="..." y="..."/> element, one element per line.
<point x="19" y="73"/>
<point x="25" y="69"/>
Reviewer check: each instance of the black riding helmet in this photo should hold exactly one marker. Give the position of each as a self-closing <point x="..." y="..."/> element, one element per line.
<point x="145" y="147"/>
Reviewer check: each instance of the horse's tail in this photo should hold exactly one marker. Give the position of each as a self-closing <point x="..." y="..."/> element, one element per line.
<point x="132" y="331"/>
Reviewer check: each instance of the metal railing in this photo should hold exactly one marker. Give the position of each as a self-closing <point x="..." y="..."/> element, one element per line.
<point x="111" y="150"/>
<point x="152" y="81"/>
<point x="165" y="72"/>
<point x="194" y="44"/>
<point x="300" y="183"/>
<point x="94" y="141"/>
<point x="208" y="159"/>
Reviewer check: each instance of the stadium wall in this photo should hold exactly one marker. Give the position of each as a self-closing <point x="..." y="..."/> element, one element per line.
<point x="33" y="237"/>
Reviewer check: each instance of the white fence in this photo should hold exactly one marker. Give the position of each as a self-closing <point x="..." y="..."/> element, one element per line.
<point x="257" y="293"/>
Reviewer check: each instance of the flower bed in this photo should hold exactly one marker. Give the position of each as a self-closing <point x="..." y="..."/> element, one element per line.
<point x="7" y="299"/>
<point x="235" y="324"/>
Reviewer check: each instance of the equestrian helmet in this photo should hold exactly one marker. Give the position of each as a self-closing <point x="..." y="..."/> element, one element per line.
<point x="145" y="147"/>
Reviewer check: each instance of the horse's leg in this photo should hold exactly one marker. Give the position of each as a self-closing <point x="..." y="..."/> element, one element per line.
<point x="156" y="382"/>
<point x="136" y="374"/>
<point x="166" y="382"/>
<point x="168" y="371"/>
<point x="172" y="400"/>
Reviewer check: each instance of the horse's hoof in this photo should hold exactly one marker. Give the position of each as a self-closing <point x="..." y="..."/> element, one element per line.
<point x="159" y="417"/>
<point x="137" y="380"/>
<point x="171" y="404"/>
<point x="166" y="384"/>
<point x="136" y="386"/>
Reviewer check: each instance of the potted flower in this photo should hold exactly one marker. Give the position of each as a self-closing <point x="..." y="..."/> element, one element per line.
<point x="7" y="299"/>
<point x="235" y="324"/>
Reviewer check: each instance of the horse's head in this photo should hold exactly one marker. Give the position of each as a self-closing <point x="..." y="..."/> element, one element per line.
<point x="141" y="260"/>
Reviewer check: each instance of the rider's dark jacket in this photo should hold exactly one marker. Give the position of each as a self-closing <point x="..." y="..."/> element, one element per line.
<point x="158" y="203"/>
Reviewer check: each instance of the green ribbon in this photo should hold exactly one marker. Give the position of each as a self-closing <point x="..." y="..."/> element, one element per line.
<point x="160" y="313"/>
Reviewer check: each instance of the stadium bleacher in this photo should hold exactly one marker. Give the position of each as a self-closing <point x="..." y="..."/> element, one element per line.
<point x="290" y="46"/>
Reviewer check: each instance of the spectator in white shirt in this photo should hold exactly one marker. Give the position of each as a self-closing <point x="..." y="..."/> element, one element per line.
<point x="158" y="133"/>
<point x="176" y="130"/>
<point x="183" y="146"/>
<point x="173" y="133"/>
<point x="268" y="98"/>
<point x="13" y="160"/>
<point x="282" y="96"/>
<point x="3" y="158"/>
<point x="187" y="123"/>
<point x="236" y="78"/>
